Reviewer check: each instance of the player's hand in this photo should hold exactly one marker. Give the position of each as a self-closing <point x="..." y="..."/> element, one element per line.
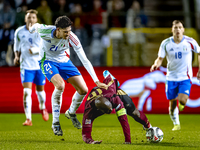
<point x="154" y="67"/>
<point x="96" y="142"/>
<point x="16" y="61"/>
<point x="198" y="75"/>
<point x="101" y="85"/>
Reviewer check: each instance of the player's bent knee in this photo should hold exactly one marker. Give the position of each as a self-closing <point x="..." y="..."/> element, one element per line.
<point x="61" y="86"/>
<point x="183" y="101"/>
<point x="82" y="92"/>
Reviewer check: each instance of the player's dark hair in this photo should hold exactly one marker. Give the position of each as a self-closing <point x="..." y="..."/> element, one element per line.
<point x="63" y="22"/>
<point x="103" y="104"/>
<point x="32" y="11"/>
<point x="177" y="21"/>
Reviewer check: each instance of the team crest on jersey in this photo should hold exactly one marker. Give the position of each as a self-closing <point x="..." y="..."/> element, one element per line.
<point x="171" y="49"/>
<point x="62" y="45"/>
<point x="87" y="121"/>
<point x="50" y="72"/>
<point x="184" y="48"/>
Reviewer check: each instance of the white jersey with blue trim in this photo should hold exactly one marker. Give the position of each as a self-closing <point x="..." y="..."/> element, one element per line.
<point x="57" y="50"/>
<point x="179" y="57"/>
<point x="23" y="41"/>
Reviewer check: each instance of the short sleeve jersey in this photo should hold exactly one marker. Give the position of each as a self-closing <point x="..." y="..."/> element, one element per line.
<point x="56" y="50"/>
<point x="23" y="41"/>
<point x="179" y="57"/>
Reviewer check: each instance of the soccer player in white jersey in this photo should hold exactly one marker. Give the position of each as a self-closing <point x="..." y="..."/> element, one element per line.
<point x="26" y="48"/>
<point x="178" y="51"/>
<point x="57" y="67"/>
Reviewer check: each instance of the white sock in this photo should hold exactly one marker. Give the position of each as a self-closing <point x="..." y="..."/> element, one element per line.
<point x="76" y="102"/>
<point x="27" y="102"/>
<point x="56" y="101"/>
<point x="42" y="99"/>
<point x="174" y="116"/>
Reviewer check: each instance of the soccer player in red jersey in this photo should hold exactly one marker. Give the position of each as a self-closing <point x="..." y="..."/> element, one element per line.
<point x="119" y="100"/>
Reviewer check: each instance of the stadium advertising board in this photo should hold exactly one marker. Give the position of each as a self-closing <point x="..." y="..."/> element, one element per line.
<point x="146" y="89"/>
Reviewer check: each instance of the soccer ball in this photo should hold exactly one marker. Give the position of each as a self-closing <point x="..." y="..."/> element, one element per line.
<point x="154" y="134"/>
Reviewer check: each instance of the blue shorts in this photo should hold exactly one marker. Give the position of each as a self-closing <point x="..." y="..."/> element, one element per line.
<point x="173" y="88"/>
<point x="66" y="70"/>
<point x="34" y="76"/>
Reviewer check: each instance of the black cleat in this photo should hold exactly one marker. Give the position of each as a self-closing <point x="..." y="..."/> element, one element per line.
<point x="57" y="129"/>
<point x="74" y="120"/>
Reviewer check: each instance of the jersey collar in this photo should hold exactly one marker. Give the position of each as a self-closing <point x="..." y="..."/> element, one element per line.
<point x="52" y="33"/>
<point x="181" y="40"/>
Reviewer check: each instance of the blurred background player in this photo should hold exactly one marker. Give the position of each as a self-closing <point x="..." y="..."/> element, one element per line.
<point x="26" y="48"/>
<point x="119" y="100"/>
<point x="57" y="67"/>
<point x="178" y="50"/>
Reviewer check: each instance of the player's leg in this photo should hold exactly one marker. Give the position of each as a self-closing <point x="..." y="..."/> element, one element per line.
<point x="184" y="92"/>
<point x="42" y="100"/>
<point x="40" y="81"/>
<point x="174" y="114"/>
<point x="81" y="90"/>
<point x="72" y="75"/>
<point x="182" y="101"/>
<point x="172" y="93"/>
<point x="56" y="101"/>
<point x="27" y="77"/>
<point x="27" y="102"/>
<point x="132" y="111"/>
<point x="107" y="73"/>
<point x="50" y="70"/>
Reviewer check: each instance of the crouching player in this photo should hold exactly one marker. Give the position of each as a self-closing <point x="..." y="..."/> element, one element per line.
<point x="98" y="103"/>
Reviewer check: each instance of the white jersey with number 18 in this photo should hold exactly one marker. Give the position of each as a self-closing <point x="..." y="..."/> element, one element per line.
<point x="179" y="57"/>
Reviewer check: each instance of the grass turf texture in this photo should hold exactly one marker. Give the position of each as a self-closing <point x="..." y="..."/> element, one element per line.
<point x="107" y="128"/>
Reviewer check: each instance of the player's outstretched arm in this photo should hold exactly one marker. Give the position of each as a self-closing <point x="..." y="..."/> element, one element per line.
<point x="156" y="64"/>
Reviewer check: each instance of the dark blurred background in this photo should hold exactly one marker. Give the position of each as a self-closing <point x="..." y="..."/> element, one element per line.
<point x="112" y="32"/>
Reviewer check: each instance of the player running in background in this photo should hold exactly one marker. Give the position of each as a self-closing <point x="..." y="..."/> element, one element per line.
<point x="119" y="101"/>
<point x="57" y="67"/>
<point x="178" y="51"/>
<point x="26" y="48"/>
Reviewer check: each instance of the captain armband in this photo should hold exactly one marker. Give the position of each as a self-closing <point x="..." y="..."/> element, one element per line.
<point x="121" y="112"/>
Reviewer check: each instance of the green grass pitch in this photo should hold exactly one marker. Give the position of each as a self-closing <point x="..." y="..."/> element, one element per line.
<point x="14" y="136"/>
